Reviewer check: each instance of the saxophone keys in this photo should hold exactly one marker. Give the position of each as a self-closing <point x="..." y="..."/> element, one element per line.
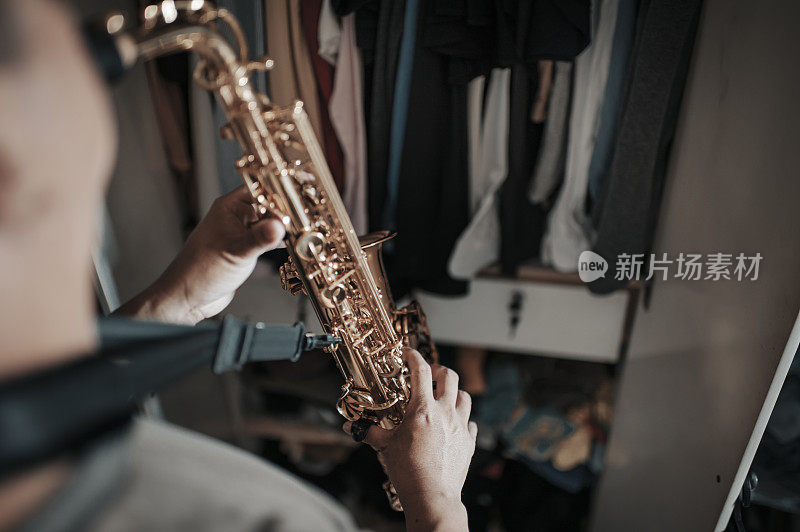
<point x="246" y="107"/>
<point x="391" y="494"/>
<point x="245" y="161"/>
<point x="330" y="349"/>
<point x="354" y="401"/>
<point x="358" y="341"/>
<point x="265" y="205"/>
<point x="336" y="297"/>
<point x="289" y="279"/>
<point x="263" y="99"/>
<point x="310" y="246"/>
<point x="262" y="64"/>
<point x="311" y="193"/>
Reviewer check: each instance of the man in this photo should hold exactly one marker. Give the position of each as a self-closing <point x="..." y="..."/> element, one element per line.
<point x="56" y="150"/>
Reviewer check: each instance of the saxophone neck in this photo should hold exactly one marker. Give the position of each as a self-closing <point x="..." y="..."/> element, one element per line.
<point x="170" y="27"/>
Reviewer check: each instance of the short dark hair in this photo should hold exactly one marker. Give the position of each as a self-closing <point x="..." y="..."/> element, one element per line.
<point x="10" y="43"/>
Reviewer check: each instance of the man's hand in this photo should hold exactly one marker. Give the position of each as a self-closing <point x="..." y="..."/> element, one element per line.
<point x="427" y="456"/>
<point x="218" y="257"/>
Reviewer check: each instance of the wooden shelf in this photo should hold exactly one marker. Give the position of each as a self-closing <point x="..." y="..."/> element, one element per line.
<point x="536" y="274"/>
<point x="541" y="274"/>
<point x="319" y="389"/>
<point x="297" y="432"/>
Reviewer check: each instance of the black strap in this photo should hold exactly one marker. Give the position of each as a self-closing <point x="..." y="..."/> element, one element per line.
<point x="228" y="345"/>
<point x="46" y="413"/>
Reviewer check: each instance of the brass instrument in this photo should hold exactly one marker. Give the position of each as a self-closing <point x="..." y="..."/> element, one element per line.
<point x="285" y="170"/>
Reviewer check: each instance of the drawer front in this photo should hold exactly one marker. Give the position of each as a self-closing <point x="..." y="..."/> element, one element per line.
<point x="565" y="321"/>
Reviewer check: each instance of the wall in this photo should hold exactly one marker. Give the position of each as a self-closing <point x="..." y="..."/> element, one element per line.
<point x="703" y="356"/>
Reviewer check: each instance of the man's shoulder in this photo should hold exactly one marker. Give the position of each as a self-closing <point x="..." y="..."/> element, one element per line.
<point x="182" y="480"/>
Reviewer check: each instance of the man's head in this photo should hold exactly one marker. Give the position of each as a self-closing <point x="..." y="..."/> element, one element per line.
<point x="57" y="144"/>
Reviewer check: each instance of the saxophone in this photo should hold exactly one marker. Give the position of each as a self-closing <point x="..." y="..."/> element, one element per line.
<point x="286" y="173"/>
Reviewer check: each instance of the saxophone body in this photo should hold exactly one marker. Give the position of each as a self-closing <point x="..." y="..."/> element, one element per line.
<point x="286" y="173"/>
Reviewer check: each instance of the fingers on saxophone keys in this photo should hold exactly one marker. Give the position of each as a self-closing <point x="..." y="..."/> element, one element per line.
<point x="446" y="384"/>
<point x="241" y="194"/>
<point x="267" y="228"/>
<point x="420" y="376"/>
<point x="372" y="435"/>
<point x="268" y="233"/>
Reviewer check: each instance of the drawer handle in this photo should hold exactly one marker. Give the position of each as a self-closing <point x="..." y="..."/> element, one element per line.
<point x="515" y="312"/>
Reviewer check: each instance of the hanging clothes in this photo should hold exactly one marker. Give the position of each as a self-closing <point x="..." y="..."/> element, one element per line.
<point x="379" y="33"/>
<point x="568" y="228"/>
<point x="293" y="77"/>
<point x="455" y="42"/>
<point x="397" y="128"/>
<point x="508" y="226"/>
<point x="432" y="202"/>
<point x="549" y="169"/>
<point x="347" y="117"/>
<point x="614" y="95"/>
<point x="538" y="31"/>
<point x="627" y="209"/>
<point x="479" y="245"/>
<point x="311" y="13"/>
<point x="453" y="46"/>
<point x="379" y="27"/>
<point x="539" y="107"/>
<point x="521" y="222"/>
<point x="329" y="33"/>
<point x="549" y="29"/>
<point x="475" y="95"/>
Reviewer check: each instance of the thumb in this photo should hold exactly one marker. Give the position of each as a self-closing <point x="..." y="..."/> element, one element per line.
<point x="377" y="437"/>
<point x="267" y="234"/>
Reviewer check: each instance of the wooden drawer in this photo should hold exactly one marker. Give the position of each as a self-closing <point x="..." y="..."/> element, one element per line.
<point x="561" y="320"/>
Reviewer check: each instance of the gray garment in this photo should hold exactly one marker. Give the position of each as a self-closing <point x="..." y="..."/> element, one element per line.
<point x="549" y="168"/>
<point x="346" y="112"/>
<point x="98" y="476"/>
<point x="180" y="480"/>
<point x="329" y="33"/>
<point x="627" y="209"/>
<point x="185" y="481"/>
<point x="614" y="96"/>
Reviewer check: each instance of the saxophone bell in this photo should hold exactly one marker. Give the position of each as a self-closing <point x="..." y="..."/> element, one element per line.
<point x="409" y="321"/>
